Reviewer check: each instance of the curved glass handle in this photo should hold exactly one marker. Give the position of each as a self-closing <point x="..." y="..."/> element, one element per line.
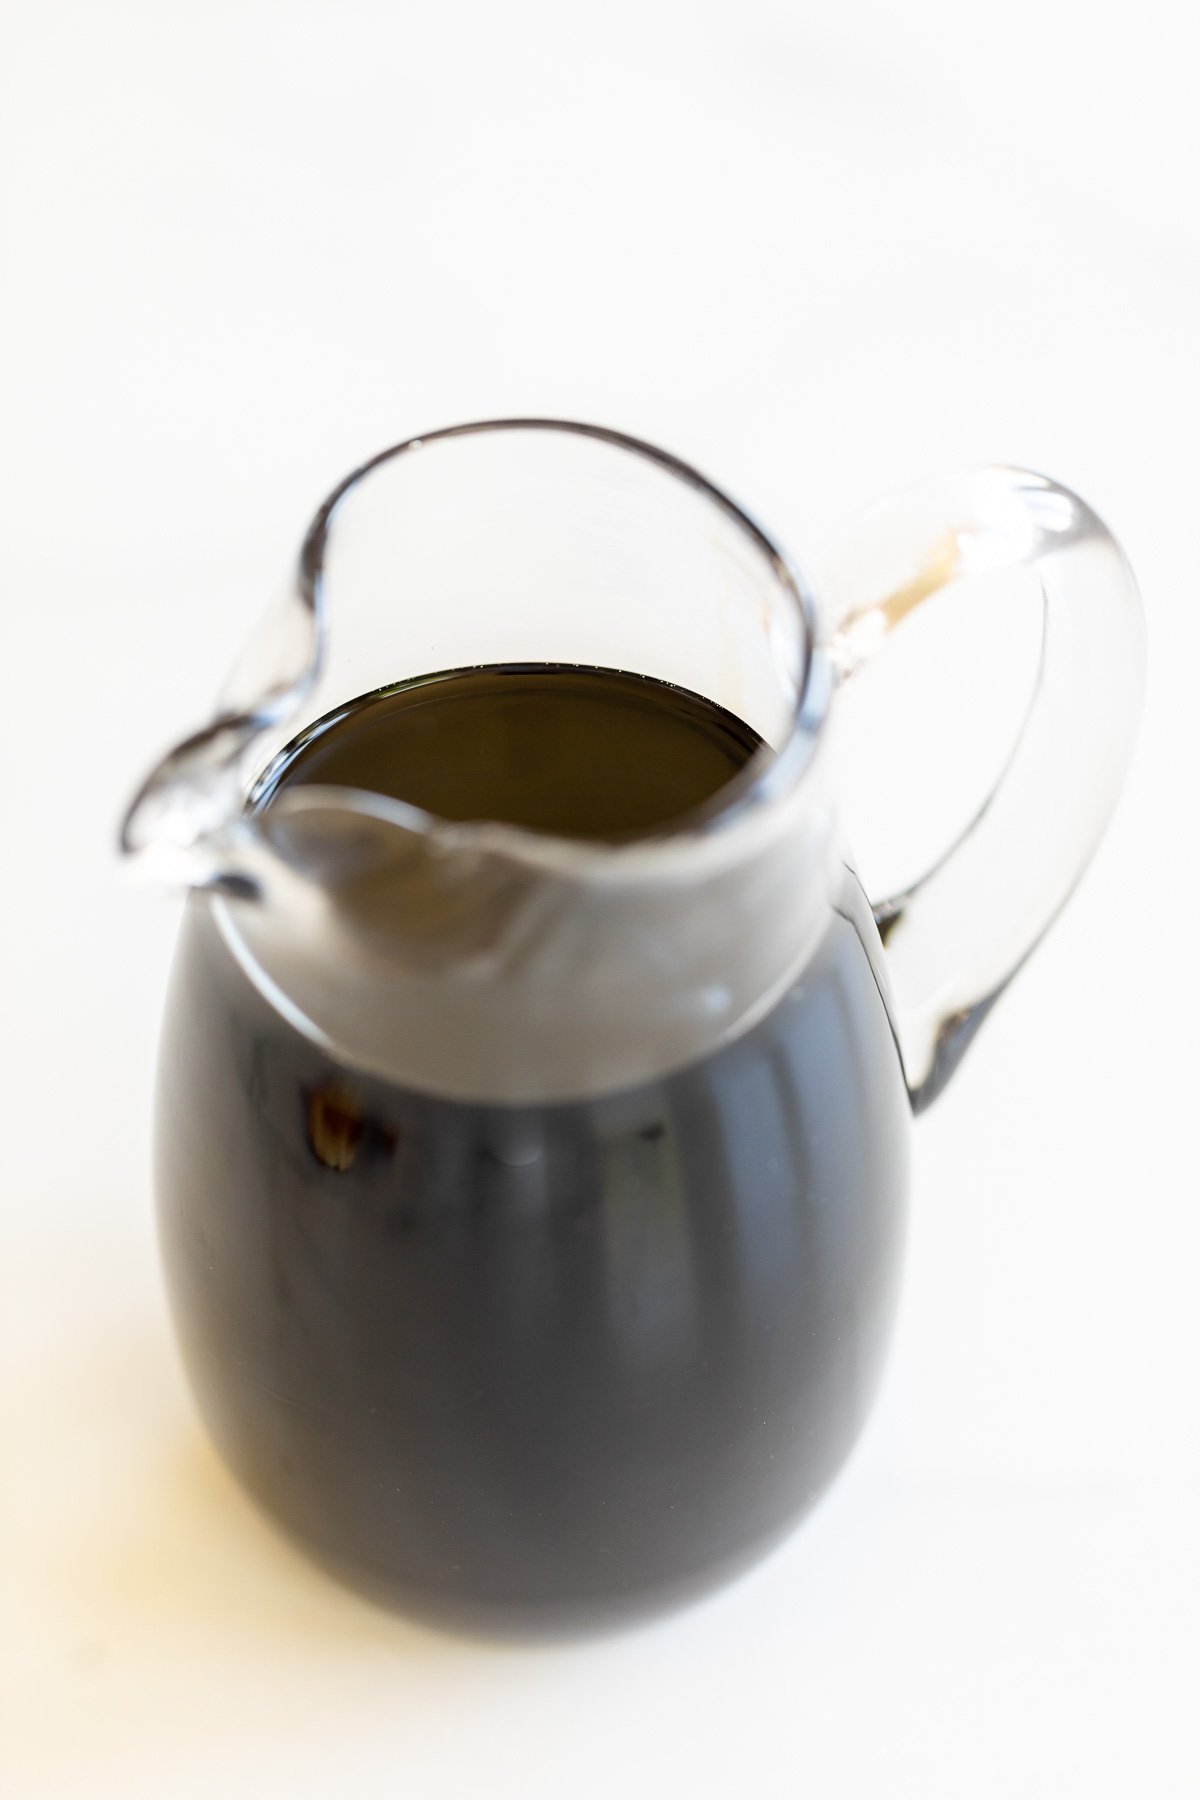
<point x="955" y="938"/>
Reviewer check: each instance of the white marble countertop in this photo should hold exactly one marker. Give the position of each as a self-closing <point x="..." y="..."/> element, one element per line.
<point x="819" y="251"/>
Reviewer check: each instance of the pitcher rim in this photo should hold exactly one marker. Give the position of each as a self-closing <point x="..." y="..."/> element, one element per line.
<point x="768" y="773"/>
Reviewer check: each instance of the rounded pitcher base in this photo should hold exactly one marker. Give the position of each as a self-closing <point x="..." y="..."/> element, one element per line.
<point x="534" y="1369"/>
<point x="550" y="1603"/>
<point x="530" y="1572"/>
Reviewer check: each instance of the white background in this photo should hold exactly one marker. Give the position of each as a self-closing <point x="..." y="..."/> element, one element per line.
<point x="819" y="250"/>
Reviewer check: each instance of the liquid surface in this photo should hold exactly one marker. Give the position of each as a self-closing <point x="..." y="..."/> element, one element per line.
<point x="578" y="752"/>
<point x="534" y="1367"/>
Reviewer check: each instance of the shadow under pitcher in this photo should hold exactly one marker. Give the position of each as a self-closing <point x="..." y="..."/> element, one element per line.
<point x="533" y="1118"/>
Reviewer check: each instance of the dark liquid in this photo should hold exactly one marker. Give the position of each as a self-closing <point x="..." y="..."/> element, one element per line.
<point x="535" y="1367"/>
<point x="583" y="753"/>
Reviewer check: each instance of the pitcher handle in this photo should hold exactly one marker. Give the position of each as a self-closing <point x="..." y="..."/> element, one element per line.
<point x="955" y="938"/>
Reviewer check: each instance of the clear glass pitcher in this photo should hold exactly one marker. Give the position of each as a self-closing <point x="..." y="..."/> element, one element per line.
<point x="532" y="1206"/>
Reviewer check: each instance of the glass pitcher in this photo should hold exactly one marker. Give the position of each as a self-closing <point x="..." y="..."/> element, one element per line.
<point x="532" y="1207"/>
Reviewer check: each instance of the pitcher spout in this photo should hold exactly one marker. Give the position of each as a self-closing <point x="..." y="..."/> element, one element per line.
<point x="187" y="824"/>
